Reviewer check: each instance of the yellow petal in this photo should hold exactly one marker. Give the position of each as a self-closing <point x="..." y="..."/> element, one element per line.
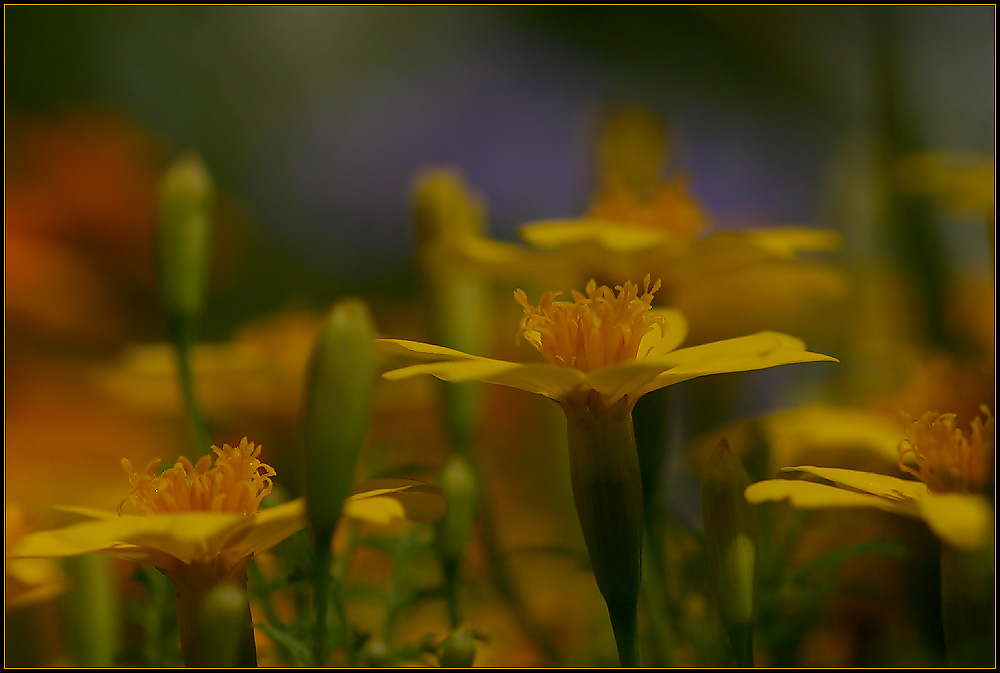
<point x="757" y="351"/>
<point x="821" y="428"/>
<point x="420" y="351"/>
<point x="877" y="484"/>
<point x="544" y="379"/>
<point x="810" y="495"/>
<point x="960" y="519"/>
<point x="615" y="237"/>
<point x="267" y="528"/>
<point x="789" y="241"/>
<point x="665" y="337"/>
<point x="419" y="501"/>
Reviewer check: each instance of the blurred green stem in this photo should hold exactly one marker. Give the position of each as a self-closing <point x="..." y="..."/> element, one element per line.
<point x="182" y="333"/>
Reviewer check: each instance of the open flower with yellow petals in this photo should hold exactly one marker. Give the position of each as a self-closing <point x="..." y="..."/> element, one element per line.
<point x="603" y="350"/>
<point x="201" y="523"/>
<point x="608" y="341"/>
<point x="953" y="468"/>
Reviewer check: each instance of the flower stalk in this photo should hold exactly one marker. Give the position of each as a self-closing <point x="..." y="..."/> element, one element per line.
<point x="731" y="543"/>
<point x="194" y="587"/>
<point x="607" y="491"/>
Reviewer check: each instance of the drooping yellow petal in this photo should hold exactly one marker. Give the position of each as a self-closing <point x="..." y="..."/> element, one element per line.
<point x="420" y="502"/>
<point x="881" y="485"/>
<point x="810" y="495"/>
<point x="543" y="379"/>
<point x="960" y="519"/>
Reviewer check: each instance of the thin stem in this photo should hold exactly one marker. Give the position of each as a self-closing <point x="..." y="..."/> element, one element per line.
<point x="182" y="333"/>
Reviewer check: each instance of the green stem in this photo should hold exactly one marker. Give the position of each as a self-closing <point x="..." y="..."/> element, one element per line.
<point x="182" y="333"/>
<point x="321" y="601"/>
<point x="607" y="491"/>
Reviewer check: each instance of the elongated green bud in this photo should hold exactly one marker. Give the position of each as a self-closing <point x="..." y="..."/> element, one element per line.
<point x="184" y="242"/>
<point x="461" y="491"/>
<point x="731" y="543"/>
<point x="607" y="490"/>
<point x="446" y="213"/>
<point x="338" y="404"/>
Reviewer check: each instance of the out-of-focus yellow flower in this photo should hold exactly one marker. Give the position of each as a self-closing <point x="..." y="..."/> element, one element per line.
<point x="952" y="465"/>
<point x="963" y="183"/>
<point x="26" y="581"/>
<point x="609" y="341"/>
<point x="725" y="283"/>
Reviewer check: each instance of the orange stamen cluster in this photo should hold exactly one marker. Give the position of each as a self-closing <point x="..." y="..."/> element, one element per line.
<point x="668" y="207"/>
<point x="590" y="332"/>
<point x="948" y="459"/>
<point x="236" y="483"/>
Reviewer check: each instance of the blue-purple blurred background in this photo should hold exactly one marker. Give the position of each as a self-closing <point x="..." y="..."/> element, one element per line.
<point x="316" y="118"/>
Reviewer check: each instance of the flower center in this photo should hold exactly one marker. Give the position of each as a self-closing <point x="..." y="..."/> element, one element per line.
<point x="590" y="332"/>
<point x="668" y="207"/>
<point x="948" y="459"/>
<point x="236" y="483"/>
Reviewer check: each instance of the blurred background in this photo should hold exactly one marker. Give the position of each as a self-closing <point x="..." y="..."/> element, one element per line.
<point x="314" y="122"/>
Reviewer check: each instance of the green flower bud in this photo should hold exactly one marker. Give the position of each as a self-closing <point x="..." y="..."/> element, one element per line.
<point x="444" y="207"/>
<point x="461" y="491"/>
<point x="459" y="649"/>
<point x="338" y="404"/>
<point x="223" y="625"/>
<point x="446" y="215"/>
<point x="731" y="544"/>
<point x="185" y="236"/>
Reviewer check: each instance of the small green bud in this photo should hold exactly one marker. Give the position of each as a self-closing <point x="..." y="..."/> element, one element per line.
<point x="461" y="491"/>
<point x="459" y="649"/>
<point x="443" y="207"/>
<point x="185" y="236"/>
<point x="731" y="544"/>
<point x="338" y="403"/>
<point x="223" y="625"/>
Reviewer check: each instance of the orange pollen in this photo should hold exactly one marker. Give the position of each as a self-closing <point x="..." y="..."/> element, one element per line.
<point x="948" y="459"/>
<point x="590" y="332"/>
<point x="236" y="483"/>
<point x="668" y="207"/>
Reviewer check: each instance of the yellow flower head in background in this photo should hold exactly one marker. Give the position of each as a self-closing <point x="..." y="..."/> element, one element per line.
<point x="953" y="467"/>
<point x="947" y="459"/>
<point x="609" y="341"/>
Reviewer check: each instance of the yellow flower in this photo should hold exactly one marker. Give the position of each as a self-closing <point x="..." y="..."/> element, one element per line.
<point x="609" y="341"/>
<point x="207" y="515"/>
<point x="603" y="351"/>
<point x="725" y="282"/>
<point x="952" y="465"/>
